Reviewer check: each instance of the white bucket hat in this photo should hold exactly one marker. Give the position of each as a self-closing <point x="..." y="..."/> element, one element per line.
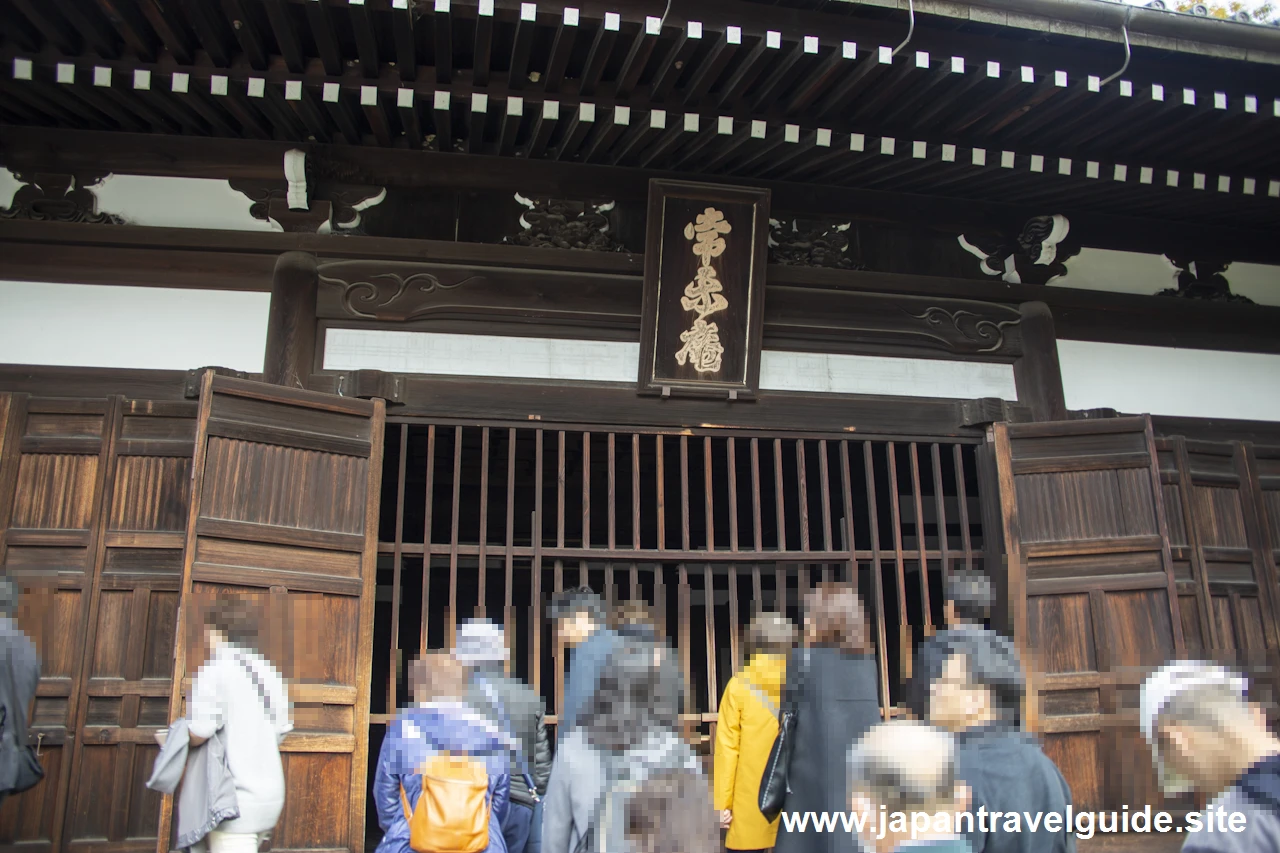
<point x="480" y="641"/>
<point x="1167" y="683"/>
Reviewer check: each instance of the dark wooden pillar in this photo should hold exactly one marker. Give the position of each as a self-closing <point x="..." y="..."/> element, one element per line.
<point x="291" y="324"/>
<point x="1037" y="374"/>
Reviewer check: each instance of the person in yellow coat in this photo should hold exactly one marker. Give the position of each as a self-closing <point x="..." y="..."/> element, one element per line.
<point x="745" y="730"/>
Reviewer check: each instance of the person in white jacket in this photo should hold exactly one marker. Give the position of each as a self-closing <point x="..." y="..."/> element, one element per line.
<point x="240" y="692"/>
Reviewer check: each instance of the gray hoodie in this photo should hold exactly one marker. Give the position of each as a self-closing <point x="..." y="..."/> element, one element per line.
<point x="578" y="779"/>
<point x="208" y="791"/>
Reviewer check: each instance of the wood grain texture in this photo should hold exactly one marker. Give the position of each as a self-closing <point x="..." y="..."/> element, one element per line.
<point x="1092" y="587"/>
<point x="294" y="529"/>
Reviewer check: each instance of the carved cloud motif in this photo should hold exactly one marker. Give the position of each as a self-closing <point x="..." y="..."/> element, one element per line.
<point x="391" y="297"/>
<point x="968" y="326"/>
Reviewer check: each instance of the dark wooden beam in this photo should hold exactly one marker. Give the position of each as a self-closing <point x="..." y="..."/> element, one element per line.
<point x="291" y="322"/>
<point x="561" y="50"/>
<point x="520" y="49"/>
<point x="18" y="29"/>
<point x="402" y="22"/>
<point x="442" y="28"/>
<point x="131" y="26"/>
<point x="88" y="21"/>
<point x="320" y="17"/>
<point x="634" y="63"/>
<point x="1037" y="374"/>
<point x="708" y="71"/>
<point x="51" y="25"/>
<point x="211" y="27"/>
<point x="246" y="32"/>
<point x="366" y="41"/>
<point x="286" y="34"/>
<point x="183" y="257"/>
<point x="482" y="52"/>
<point x="598" y="57"/>
<point x="171" y="29"/>
<point x="69" y="151"/>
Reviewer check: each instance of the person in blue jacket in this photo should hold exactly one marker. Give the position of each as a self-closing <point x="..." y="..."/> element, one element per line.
<point x="438" y="721"/>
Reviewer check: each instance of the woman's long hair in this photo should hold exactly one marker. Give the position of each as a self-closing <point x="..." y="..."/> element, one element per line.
<point x="629" y="703"/>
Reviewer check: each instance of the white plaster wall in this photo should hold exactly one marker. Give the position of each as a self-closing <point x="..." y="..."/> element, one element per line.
<point x="1133" y="272"/>
<point x="178" y="203"/>
<point x="825" y="373"/>
<point x="1168" y="381"/>
<point x="618" y="361"/>
<point x="131" y="327"/>
<point x="8" y="186"/>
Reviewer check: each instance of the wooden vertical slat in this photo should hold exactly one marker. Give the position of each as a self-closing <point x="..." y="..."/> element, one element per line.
<point x="684" y="492"/>
<point x="451" y="614"/>
<point x="825" y="485"/>
<point x="1166" y="555"/>
<point x="803" y="487"/>
<point x="1208" y="619"/>
<point x="586" y="490"/>
<point x="713" y="684"/>
<point x="940" y="504"/>
<point x="962" y="495"/>
<point x="735" y="624"/>
<point x="756" y="585"/>
<point x="535" y="648"/>
<point x="508" y="608"/>
<point x="708" y="491"/>
<point x="877" y="580"/>
<point x="780" y="514"/>
<point x="920" y="544"/>
<point x="684" y="595"/>
<point x="482" y="567"/>
<point x="612" y="519"/>
<point x="426" y="538"/>
<point x="662" y="509"/>
<point x="904" y="626"/>
<point x="558" y="569"/>
<point x="635" y="511"/>
<point x="397" y="559"/>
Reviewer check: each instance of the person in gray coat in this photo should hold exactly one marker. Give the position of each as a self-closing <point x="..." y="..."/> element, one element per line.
<point x="976" y="698"/>
<point x="481" y="646"/>
<point x="626" y="738"/>
<point x="19" y="676"/>
<point x="832" y="682"/>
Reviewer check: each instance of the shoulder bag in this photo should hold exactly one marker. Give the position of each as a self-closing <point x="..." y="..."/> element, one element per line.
<point x="774" y="785"/>
<point x="30" y="770"/>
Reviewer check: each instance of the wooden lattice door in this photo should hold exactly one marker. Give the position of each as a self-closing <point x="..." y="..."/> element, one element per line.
<point x="1093" y="593"/>
<point x="284" y="509"/>
<point x="93" y="502"/>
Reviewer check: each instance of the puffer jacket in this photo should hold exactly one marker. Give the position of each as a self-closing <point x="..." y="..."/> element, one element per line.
<point x="745" y="732"/>
<point x="417" y="734"/>
<point x="578" y="782"/>
<point x="522" y="710"/>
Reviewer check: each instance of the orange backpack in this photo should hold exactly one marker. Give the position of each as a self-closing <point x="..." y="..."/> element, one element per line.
<point x="452" y="814"/>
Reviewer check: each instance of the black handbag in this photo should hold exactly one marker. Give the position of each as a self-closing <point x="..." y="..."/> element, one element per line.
<point x="774" y="785"/>
<point x="30" y="770"/>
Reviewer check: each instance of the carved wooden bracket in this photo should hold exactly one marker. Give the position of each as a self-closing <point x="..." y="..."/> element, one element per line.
<point x="564" y="224"/>
<point x="811" y="243"/>
<point x="992" y="410"/>
<point x="1201" y="279"/>
<point x="367" y="384"/>
<point x="1037" y="254"/>
<point x="335" y="203"/>
<point x="57" y="198"/>
<point x="191" y="385"/>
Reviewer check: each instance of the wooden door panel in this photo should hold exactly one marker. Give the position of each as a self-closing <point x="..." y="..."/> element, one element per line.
<point x="1223" y="549"/>
<point x="1092" y="588"/>
<point x="129" y="664"/>
<point x="287" y="489"/>
<point x="51" y="494"/>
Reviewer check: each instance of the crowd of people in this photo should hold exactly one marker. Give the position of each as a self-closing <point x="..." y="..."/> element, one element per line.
<point x="469" y="767"/>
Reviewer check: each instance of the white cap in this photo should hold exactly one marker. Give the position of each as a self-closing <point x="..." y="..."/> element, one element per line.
<point x="1172" y="679"/>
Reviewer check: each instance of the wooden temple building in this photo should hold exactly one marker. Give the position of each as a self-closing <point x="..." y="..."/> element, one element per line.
<point x="395" y="312"/>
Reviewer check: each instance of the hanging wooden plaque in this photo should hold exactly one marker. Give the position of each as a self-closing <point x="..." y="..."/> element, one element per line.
<point x="704" y="269"/>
